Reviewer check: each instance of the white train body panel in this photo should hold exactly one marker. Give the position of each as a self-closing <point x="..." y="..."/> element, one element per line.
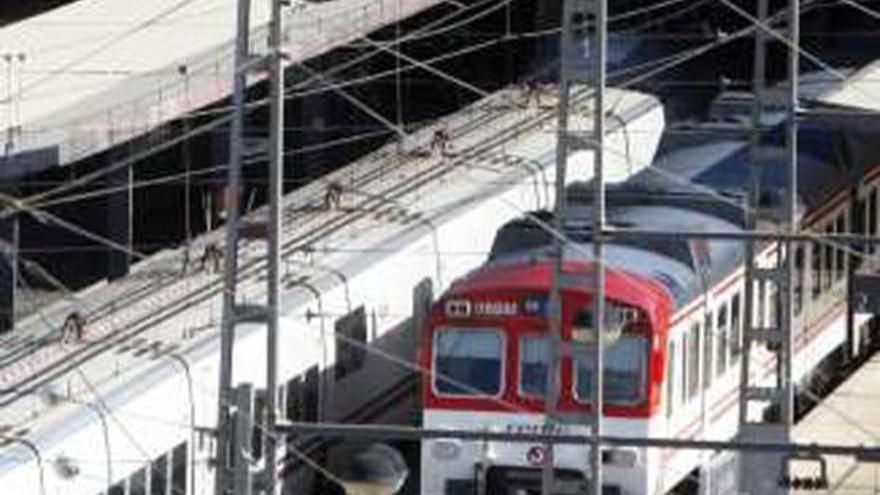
<point x="374" y="263"/>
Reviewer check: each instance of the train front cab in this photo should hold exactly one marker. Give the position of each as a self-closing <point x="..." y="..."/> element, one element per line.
<point x="487" y="349"/>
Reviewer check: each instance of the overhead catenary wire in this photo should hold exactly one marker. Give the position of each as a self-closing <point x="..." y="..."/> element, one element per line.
<point x="861" y="8"/>
<point x="216" y="124"/>
<point x="222" y="120"/>
<point x="110" y="168"/>
<point x="299" y="90"/>
<point x="675" y="61"/>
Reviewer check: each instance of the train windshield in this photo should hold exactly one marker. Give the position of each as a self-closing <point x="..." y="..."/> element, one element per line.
<point x="467" y="361"/>
<point x="533" y="365"/>
<point x="625" y="371"/>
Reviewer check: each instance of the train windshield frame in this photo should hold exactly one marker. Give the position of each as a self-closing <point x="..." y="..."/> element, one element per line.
<point x="627" y="355"/>
<point x="473" y="358"/>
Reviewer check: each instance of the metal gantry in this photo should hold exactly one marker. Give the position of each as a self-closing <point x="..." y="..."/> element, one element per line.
<point x="273" y="236"/>
<point x="763" y="473"/>
<point x="233" y="469"/>
<point x="225" y="399"/>
<point x="582" y="61"/>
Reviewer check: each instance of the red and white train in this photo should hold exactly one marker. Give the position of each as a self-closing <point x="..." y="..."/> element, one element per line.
<point x="674" y="352"/>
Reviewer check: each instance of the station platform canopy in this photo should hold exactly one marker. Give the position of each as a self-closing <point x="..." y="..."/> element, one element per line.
<point x="82" y="78"/>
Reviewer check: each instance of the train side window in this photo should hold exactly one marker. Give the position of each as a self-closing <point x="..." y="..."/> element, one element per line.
<point x="137" y="483"/>
<point x="670" y="378"/>
<point x="872" y="215"/>
<point x="179" y="468"/>
<point x="798" y="279"/>
<point x="858" y="226"/>
<point x="301" y="402"/>
<point x="761" y="293"/>
<point x="693" y="357"/>
<point x="861" y="216"/>
<point x="685" y="371"/>
<point x="721" y="341"/>
<point x="468" y="362"/>
<point x="841" y="258"/>
<point x="735" y="327"/>
<point x="259" y="419"/>
<point x="351" y="341"/>
<point x="816" y="262"/>
<point x="773" y="304"/>
<point x="293" y="405"/>
<point x="828" y="264"/>
<point x="312" y="395"/>
<point x="707" y="350"/>
<point x="159" y="475"/>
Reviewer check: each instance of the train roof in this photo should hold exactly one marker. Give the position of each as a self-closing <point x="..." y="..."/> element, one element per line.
<point x="167" y="309"/>
<point x="699" y="187"/>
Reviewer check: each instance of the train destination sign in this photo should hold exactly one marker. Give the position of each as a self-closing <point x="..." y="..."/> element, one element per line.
<point x="464" y="308"/>
<point x="495" y="308"/>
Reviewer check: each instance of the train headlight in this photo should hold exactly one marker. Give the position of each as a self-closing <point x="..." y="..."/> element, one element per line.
<point x="620" y="457"/>
<point x="446" y="450"/>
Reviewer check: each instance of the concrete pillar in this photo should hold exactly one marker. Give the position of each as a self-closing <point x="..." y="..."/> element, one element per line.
<point x="119" y="222"/>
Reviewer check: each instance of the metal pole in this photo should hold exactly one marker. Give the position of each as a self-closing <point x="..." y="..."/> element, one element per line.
<point x="276" y="178"/>
<point x="758" y="83"/>
<point x="242" y="484"/>
<point x="13" y="267"/>
<point x="555" y="341"/>
<point x="555" y="313"/>
<point x="787" y="357"/>
<point x="397" y="73"/>
<point x="187" y="162"/>
<point x="22" y="58"/>
<point x="598" y="242"/>
<point x="227" y="334"/>
<point x="9" y="121"/>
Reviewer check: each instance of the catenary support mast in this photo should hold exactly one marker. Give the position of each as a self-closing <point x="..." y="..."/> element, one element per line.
<point x="276" y="191"/>
<point x="601" y="36"/>
<point x="581" y="61"/>
<point x="223" y="473"/>
<point x="762" y="473"/>
<point x="228" y="478"/>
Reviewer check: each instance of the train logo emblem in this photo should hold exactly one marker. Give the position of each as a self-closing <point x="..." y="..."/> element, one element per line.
<point x="536" y="456"/>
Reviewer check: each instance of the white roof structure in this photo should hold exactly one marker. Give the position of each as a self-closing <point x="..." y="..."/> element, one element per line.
<point x="80" y="78"/>
<point x="860" y="91"/>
